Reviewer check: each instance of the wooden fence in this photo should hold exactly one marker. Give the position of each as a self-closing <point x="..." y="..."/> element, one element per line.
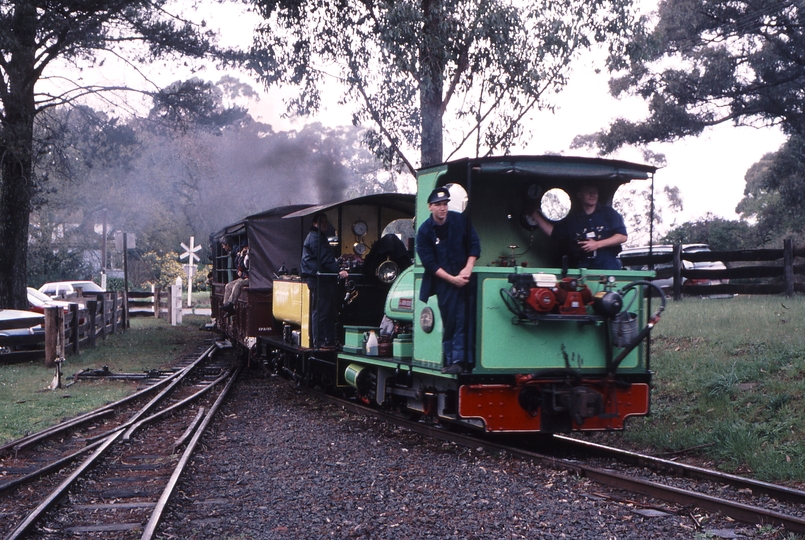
<point x="149" y="304"/>
<point x="159" y="303"/>
<point x="754" y="271"/>
<point x="67" y="332"/>
<point x="103" y="314"/>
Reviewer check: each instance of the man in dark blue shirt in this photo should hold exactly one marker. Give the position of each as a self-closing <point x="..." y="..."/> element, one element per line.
<point x="320" y="270"/>
<point x="595" y="231"/>
<point x="448" y="247"/>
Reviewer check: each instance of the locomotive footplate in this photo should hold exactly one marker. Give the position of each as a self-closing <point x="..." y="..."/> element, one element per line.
<point x="502" y="409"/>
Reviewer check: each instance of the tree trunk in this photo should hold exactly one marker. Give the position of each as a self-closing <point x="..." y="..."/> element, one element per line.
<point x="431" y="85"/>
<point x="16" y="140"/>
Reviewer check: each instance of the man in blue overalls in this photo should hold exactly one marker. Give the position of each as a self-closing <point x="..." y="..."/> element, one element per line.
<point x="448" y="247"/>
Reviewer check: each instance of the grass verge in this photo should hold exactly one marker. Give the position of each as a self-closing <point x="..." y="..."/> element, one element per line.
<point x="26" y="406"/>
<point x="729" y="383"/>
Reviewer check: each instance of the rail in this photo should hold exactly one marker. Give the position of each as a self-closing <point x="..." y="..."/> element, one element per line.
<point x="183" y="403"/>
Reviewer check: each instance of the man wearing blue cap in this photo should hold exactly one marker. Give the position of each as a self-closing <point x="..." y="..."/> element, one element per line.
<point x="448" y="247"/>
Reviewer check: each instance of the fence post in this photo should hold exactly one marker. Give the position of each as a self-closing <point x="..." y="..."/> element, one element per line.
<point x="156" y="290"/>
<point x="677" y="271"/>
<point x="125" y="312"/>
<point x="54" y="335"/>
<point x="176" y="302"/>
<point x="104" y="309"/>
<point x="92" y="315"/>
<point x="788" y="266"/>
<point x="75" y="335"/>
<point x="115" y="306"/>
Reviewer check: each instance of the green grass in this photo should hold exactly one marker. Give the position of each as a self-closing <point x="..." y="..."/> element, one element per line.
<point x="201" y="299"/>
<point x="26" y="406"/>
<point x="730" y="380"/>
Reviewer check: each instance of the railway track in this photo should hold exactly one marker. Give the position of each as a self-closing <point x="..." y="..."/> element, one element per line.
<point x="111" y="472"/>
<point x="684" y="488"/>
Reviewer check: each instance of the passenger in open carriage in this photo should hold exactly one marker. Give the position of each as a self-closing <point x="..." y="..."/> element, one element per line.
<point x="233" y="288"/>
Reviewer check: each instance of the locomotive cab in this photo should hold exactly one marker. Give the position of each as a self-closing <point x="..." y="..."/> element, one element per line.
<point x="556" y="348"/>
<point x="372" y="239"/>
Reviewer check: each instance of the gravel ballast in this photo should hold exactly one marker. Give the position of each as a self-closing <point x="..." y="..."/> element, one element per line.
<point x="279" y="463"/>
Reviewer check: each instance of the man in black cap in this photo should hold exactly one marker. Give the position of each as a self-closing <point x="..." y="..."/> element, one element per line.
<point x="448" y="247"/>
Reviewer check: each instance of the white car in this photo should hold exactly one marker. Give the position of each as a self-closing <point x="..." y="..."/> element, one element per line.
<point x="62" y="289"/>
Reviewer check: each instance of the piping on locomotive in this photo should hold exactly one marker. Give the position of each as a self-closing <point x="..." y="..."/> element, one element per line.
<point x="557" y="349"/>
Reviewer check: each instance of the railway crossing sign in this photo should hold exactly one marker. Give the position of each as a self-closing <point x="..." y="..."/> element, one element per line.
<point x="190" y="267"/>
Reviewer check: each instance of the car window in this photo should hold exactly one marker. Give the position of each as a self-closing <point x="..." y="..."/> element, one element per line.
<point x="87" y="286"/>
<point x="36" y="295"/>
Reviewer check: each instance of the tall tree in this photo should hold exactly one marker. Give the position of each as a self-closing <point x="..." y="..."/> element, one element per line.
<point x="774" y="196"/>
<point x="708" y="62"/>
<point x="424" y="71"/>
<point x="35" y="38"/>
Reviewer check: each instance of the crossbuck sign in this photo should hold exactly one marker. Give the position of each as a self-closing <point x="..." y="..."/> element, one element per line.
<point x="190" y="266"/>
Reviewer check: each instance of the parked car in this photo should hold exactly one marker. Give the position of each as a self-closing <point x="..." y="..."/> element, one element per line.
<point x="704" y="265"/>
<point x="665" y="283"/>
<point x="62" y="289"/>
<point x="39" y="301"/>
<point x="20" y="330"/>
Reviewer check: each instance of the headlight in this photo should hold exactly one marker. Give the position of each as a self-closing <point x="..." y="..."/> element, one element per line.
<point x="388" y="271"/>
<point x="426" y="320"/>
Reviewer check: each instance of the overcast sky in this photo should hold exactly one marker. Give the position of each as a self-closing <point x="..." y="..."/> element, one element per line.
<point x="709" y="170"/>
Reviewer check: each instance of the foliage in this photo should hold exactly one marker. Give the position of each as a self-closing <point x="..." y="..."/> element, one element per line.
<point x="200" y="277"/>
<point x="771" y="208"/>
<point x="36" y="39"/>
<point x="163" y="183"/>
<point x="708" y="62"/>
<point x="64" y="261"/>
<point x="720" y="234"/>
<point x="421" y="72"/>
<point x="775" y="193"/>
<point x="164" y="268"/>
<point x="637" y="208"/>
<point x="198" y="105"/>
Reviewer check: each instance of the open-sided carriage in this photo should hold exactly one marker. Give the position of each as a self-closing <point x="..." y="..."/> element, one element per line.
<point x="275" y="239"/>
